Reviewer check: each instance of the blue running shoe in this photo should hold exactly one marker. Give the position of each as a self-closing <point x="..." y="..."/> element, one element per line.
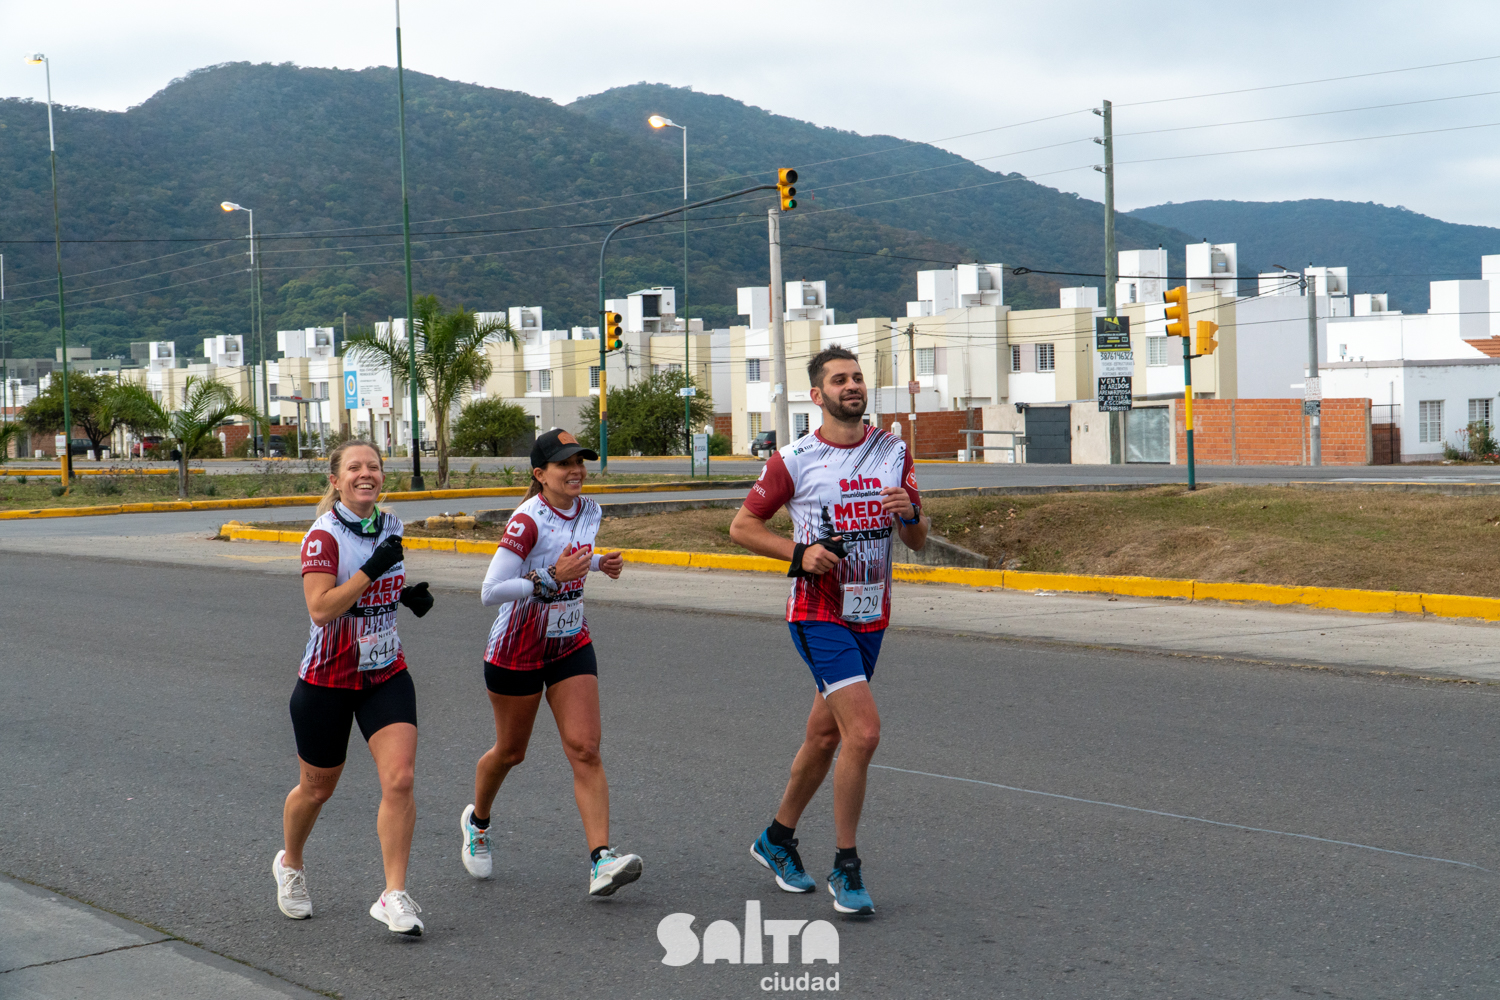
<point x="849" y="895"/>
<point x="785" y="863"/>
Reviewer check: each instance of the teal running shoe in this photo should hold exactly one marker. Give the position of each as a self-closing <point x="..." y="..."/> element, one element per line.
<point x="848" y="889"/>
<point x="785" y="863"/>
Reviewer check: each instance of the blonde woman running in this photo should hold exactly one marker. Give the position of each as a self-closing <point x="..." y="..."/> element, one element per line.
<point x="354" y="669"/>
<point x="541" y="641"/>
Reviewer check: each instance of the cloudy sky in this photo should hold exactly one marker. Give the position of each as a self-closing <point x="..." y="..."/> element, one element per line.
<point x="918" y="71"/>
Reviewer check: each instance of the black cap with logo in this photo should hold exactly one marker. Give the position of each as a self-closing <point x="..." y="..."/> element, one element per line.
<point x="558" y="446"/>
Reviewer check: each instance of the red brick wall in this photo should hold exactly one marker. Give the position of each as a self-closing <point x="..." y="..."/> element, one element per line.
<point x="937" y="430"/>
<point x="1274" y="432"/>
<point x="235" y="433"/>
<point x="724" y="424"/>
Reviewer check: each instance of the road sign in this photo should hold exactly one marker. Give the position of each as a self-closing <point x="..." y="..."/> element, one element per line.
<point x="351" y="389"/>
<point x="914" y="387"/>
<point x="1312" y="407"/>
<point x="371" y="382"/>
<point x="1312" y="388"/>
<point x="1114" y="393"/>
<point x="1115" y="364"/>
<point x="691" y="390"/>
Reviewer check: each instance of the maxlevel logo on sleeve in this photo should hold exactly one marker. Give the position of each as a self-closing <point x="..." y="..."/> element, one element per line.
<point x="722" y="941"/>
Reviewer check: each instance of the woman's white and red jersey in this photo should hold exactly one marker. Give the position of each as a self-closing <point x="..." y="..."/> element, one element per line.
<point x="332" y="657"/>
<point x="832" y="489"/>
<point x="540" y="534"/>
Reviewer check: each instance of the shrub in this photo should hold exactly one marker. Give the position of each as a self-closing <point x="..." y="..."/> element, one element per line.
<point x="1481" y="441"/>
<point x="489" y="427"/>
<point x="718" y="444"/>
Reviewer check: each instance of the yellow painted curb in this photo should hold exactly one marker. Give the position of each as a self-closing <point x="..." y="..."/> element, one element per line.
<point x="309" y="500"/>
<point x="6" y="470"/>
<point x="1331" y="598"/>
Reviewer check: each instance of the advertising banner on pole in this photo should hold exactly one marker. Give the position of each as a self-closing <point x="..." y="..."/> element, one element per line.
<point x="1115" y="367"/>
<point x="367" y="384"/>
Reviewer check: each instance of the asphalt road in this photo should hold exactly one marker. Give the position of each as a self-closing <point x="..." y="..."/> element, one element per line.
<point x="145" y="750"/>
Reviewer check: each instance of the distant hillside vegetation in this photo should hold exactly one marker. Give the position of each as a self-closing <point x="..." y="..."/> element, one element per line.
<point x="1386" y="249"/>
<point x="314" y="152"/>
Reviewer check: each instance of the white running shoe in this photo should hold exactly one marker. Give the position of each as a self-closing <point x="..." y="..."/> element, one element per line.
<point x="476" y="849"/>
<point x="612" y="871"/>
<point x="291" y="889"/>
<point x="398" y="911"/>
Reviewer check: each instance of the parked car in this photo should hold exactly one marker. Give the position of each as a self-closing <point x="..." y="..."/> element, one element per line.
<point x="276" y="446"/>
<point x="146" y="446"/>
<point x="764" y="444"/>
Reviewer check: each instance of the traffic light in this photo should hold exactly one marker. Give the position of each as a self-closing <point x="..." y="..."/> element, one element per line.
<point x="612" y="339"/>
<point x="1206" y="343"/>
<point x="785" y="178"/>
<point x="1177" y="311"/>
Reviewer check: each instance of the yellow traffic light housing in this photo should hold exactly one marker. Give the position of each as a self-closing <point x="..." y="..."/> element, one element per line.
<point x="1206" y="343"/>
<point x="785" y="178"/>
<point x="612" y="339"/>
<point x="1177" y="311"/>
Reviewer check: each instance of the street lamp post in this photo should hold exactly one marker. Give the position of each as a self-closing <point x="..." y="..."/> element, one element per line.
<point x="411" y="332"/>
<point x="256" y="327"/>
<point x="657" y="121"/>
<point x="62" y="316"/>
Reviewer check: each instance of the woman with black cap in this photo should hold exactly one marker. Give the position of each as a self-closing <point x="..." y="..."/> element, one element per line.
<point x="540" y="641"/>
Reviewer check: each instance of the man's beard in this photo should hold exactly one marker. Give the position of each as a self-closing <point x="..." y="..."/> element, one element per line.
<point x="849" y="411"/>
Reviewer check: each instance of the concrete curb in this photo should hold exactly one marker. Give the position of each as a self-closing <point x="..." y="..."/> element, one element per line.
<point x="1329" y="598"/>
<point x="256" y="503"/>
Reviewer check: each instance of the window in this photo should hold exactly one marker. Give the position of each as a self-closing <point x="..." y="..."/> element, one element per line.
<point x="531" y="381"/>
<point x="1045" y="358"/>
<point x="593" y="376"/>
<point x="752" y="370"/>
<point x="1479" y="411"/>
<point x="658" y="369"/>
<point x="1430" y="421"/>
<point x="545" y="378"/>
<point x="926" y="360"/>
<point x="322" y="390"/>
<point x="1156" y="351"/>
<point x="275" y="390"/>
<point x="754" y="424"/>
<point x="799" y="424"/>
<point x="1015" y="358"/>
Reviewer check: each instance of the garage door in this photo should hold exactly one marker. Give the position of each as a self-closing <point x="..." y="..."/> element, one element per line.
<point x="1049" y="435"/>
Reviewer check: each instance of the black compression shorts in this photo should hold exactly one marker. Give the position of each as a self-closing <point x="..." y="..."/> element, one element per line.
<point x="321" y="716"/>
<point x="520" y="683"/>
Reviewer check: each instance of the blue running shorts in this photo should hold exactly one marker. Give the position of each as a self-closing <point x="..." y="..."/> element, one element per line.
<point x="836" y="656"/>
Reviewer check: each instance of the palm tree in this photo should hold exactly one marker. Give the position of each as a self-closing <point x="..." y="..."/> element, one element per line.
<point x="208" y="404"/>
<point x="450" y="359"/>
<point x="8" y="432"/>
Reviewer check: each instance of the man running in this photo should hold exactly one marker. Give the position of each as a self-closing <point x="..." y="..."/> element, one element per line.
<point x="845" y="485"/>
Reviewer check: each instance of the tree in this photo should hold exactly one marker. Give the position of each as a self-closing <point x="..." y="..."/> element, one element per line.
<point x="9" y="431"/>
<point x="646" y="417"/>
<point x="208" y="405"/>
<point x="95" y="403"/>
<point x="489" y="427"/>
<point x="450" y="360"/>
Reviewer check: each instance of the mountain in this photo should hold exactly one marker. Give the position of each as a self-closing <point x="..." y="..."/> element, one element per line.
<point x="509" y="194"/>
<point x="1392" y="250"/>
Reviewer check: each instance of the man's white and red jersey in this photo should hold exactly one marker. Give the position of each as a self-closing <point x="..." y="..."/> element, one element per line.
<point x="332" y="657"/>
<point x="540" y="534"/>
<point x="832" y="489"/>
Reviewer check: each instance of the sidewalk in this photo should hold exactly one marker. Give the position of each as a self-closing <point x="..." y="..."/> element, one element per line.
<point x="1401" y="644"/>
<point x="56" y="947"/>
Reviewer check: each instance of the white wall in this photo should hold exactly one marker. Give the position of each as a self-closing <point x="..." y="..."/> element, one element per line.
<point x="1453" y="382"/>
<point x="1271" y="345"/>
<point x="1141" y="273"/>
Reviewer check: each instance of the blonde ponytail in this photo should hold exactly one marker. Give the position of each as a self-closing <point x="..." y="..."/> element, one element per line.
<point x="335" y="460"/>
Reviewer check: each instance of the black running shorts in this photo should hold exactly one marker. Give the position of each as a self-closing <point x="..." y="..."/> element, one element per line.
<point x="321" y="716"/>
<point x="520" y="683"/>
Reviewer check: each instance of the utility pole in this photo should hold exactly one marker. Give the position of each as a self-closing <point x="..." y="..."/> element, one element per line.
<point x="260" y="333"/>
<point x="1310" y="288"/>
<point x="62" y="318"/>
<point x="1111" y="263"/>
<point x="417" y="482"/>
<point x="911" y="397"/>
<point x="781" y="413"/>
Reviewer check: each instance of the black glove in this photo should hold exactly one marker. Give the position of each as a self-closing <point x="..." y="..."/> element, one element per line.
<point x="386" y="555"/>
<point x="834" y="544"/>
<point x="418" y="598"/>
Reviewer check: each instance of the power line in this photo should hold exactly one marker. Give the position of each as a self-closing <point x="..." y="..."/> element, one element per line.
<point x="1309" y="114"/>
<point x="1302" y="145"/>
<point x="1306" y="83"/>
